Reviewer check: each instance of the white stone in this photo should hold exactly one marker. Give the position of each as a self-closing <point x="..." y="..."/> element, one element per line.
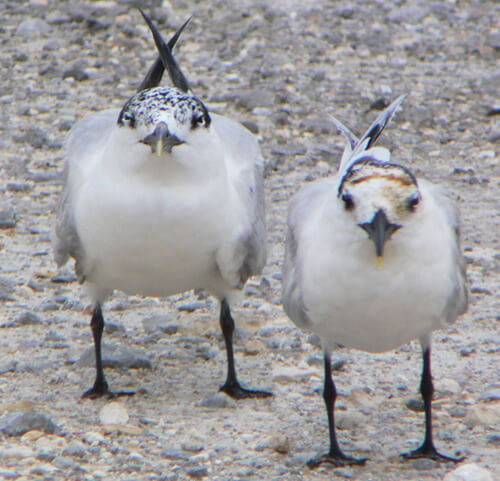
<point x="265" y="308"/>
<point x="50" y="444"/>
<point x="469" y="472"/>
<point x="114" y="413"/>
<point x="16" y="452"/>
<point x="447" y="386"/>
<point x="347" y="420"/>
<point x="280" y="443"/>
<point x="293" y="374"/>
<point x="488" y="415"/>
<point x="93" y="438"/>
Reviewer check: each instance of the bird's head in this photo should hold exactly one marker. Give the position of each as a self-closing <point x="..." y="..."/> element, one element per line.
<point x="163" y="117"/>
<point x="380" y="197"/>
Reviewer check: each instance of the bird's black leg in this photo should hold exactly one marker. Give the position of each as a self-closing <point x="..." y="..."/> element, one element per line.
<point x="232" y="386"/>
<point x="335" y="456"/>
<point x="100" y="387"/>
<point x="427" y="448"/>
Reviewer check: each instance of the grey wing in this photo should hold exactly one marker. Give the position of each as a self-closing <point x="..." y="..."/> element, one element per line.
<point x="256" y="238"/>
<point x="84" y="147"/>
<point x="301" y="209"/>
<point x="457" y="301"/>
<point x="292" y="300"/>
<point x="245" y="254"/>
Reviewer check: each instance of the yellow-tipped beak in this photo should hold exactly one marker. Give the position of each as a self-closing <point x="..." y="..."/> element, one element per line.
<point x="159" y="147"/>
<point x="380" y="262"/>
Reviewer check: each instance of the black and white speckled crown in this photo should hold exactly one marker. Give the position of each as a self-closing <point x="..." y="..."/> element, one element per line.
<point x="148" y="107"/>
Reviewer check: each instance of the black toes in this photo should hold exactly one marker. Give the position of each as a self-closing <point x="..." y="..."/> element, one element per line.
<point x="336" y="461"/>
<point x="237" y="392"/>
<point x="430" y="452"/>
<point x="101" y="389"/>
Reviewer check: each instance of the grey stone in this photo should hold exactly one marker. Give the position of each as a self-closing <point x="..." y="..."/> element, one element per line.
<point x="314" y="339"/>
<point x="32" y="27"/>
<point x="289" y="149"/>
<point x="409" y="14"/>
<point x="162" y="322"/>
<point x="493" y="439"/>
<point x="219" y="400"/>
<point x="8" y="474"/>
<point x="8" y="366"/>
<point x="8" y="217"/>
<point x="338" y="365"/>
<point x="192" y="306"/>
<point x="192" y="446"/>
<point x="197" y="472"/>
<point x="53" y="336"/>
<point x="63" y="462"/>
<point x="254" y="99"/>
<point x="314" y="360"/>
<point x="480" y="290"/>
<point x="493" y="40"/>
<point x="64" y="278"/>
<point x="18" y="423"/>
<point x="458" y="412"/>
<point x="19" y="187"/>
<point x="27" y="318"/>
<point x="48" y="457"/>
<point x="251" y="125"/>
<point x="175" y="455"/>
<point x="318" y="126"/>
<point x="424" y="464"/>
<point x="77" y="73"/>
<point x="416" y="405"/>
<point x="114" y="328"/>
<point x="490" y="395"/>
<point x="116" y="356"/>
<point x="348" y="420"/>
<point x="494" y="136"/>
<point x="34" y="136"/>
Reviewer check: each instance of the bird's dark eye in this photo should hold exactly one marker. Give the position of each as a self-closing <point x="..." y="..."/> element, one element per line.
<point x="348" y="202"/>
<point x="130" y="119"/>
<point x="198" y="121"/>
<point x="413" y="202"/>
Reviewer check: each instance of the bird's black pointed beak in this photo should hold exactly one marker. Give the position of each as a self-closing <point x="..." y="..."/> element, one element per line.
<point x="379" y="230"/>
<point x="161" y="140"/>
<point x="167" y="59"/>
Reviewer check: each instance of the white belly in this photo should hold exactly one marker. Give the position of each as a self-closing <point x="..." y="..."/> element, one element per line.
<point x="151" y="242"/>
<point x="352" y="302"/>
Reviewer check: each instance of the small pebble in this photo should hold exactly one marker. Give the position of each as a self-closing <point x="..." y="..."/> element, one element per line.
<point x="32" y="27"/>
<point x="219" y="400"/>
<point x="114" y="413"/>
<point x="197" y="472"/>
<point x="8" y="217"/>
<point x="416" y="405"/>
<point x="469" y="472"/>
<point x="280" y="443"/>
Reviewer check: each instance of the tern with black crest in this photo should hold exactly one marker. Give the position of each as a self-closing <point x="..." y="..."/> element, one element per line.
<point x="162" y="196"/>
<point x="373" y="260"/>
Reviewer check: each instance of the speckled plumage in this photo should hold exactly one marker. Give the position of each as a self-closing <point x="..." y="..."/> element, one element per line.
<point x="150" y="106"/>
<point x="160" y="198"/>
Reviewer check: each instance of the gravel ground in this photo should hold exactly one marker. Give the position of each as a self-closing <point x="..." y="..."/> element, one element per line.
<point x="279" y="69"/>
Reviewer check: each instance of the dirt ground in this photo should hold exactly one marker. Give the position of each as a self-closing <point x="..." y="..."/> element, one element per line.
<point x="280" y="68"/>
